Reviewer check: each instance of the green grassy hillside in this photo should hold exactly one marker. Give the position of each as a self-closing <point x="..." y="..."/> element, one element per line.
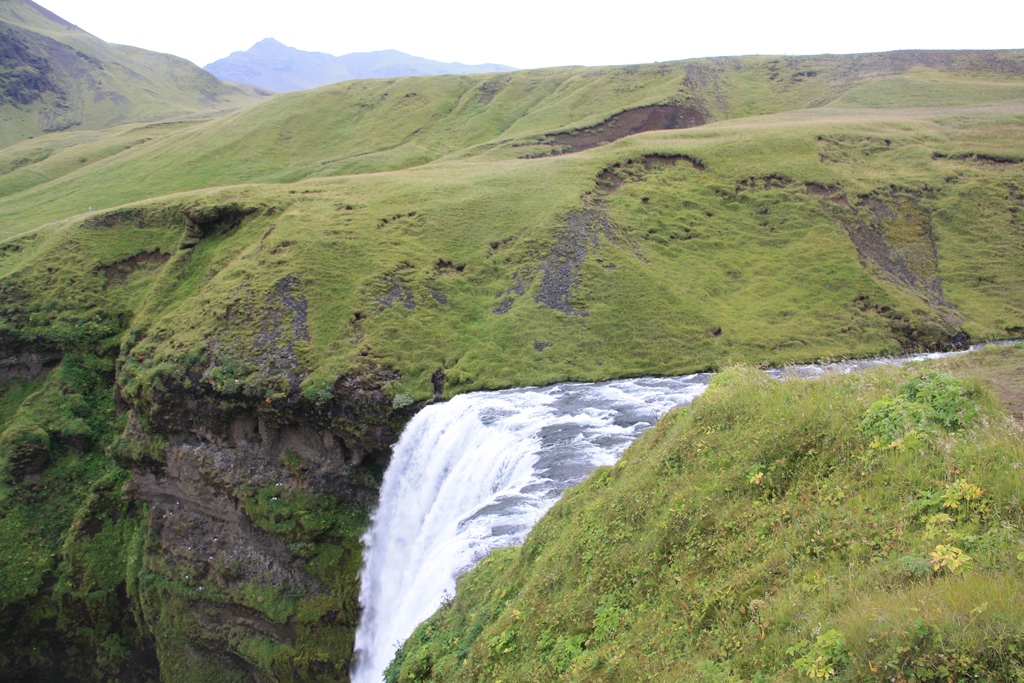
<point x="54" y="76"/>
<point x="214" y="329"/>
<point x="854" y="528"/>
<point x="775" y="239"/>
<point x="385" y="125"/>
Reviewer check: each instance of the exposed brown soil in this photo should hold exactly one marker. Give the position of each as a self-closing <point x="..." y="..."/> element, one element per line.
<point x="630" y="122"/>
<point x="206" y="220"/>
<point x="117" y="273"/>
<point x="980" y="158"/>
<point x="1008" y="385"/>
<point x="770" y="181"/>
<point x="109" y="220"/>
<point x="832" y="194"/>
<point x="615" y="176"/>
<point x="895" y="234"/>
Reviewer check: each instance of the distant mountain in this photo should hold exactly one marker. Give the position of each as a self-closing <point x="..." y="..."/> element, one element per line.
<point x="272" y="65"/>
<point x="55" y="76"/>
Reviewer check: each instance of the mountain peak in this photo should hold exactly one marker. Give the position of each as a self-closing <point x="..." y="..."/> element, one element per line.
<point x="275" y="66"/>
<point x="270" y="43"/>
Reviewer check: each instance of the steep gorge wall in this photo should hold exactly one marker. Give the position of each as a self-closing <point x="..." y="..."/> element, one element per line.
<point x="254" y="519"/>
<point x="162" y="523"/>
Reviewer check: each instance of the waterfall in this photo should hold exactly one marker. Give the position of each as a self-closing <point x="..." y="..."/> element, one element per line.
<point x="476" y="473"/>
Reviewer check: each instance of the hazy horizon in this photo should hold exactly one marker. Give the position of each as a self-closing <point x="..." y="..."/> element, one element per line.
<point x="540" y="34"/>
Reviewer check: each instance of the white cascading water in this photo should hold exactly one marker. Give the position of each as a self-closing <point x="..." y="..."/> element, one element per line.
<point x="476" y="473"/>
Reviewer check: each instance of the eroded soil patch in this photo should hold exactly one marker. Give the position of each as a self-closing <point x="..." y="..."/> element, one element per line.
<point x="117" y="273"/>
<point x="560" y="268"/>
<point x="492" y="87"/>
<point x="206" y="220"/>
<point x="893" y="231"/>
<point x="397" y="292"/>
<point x="109" y="220"/>
<point x="631" y="122"/>
<point x="834" y="195"/>
<point x="615" y="176"/>
<point x="980" y="158"/>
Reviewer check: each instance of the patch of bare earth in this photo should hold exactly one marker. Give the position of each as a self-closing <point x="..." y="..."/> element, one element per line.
<point x="117" y="273"/>
<point x="1002" y="370"/>
<point x="1008" y="385"/>
<point x="894" y="232"/>
<point x="831" y="194"/>
<point x="630" y="122"/>
<point x="560" y="267"/>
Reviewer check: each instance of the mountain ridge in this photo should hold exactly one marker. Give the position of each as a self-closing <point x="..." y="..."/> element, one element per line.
<point x="272" y="65"/>
<point x="55" y="76"/>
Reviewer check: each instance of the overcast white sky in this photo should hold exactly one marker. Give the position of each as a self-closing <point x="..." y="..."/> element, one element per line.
<point x="539" y="33"/>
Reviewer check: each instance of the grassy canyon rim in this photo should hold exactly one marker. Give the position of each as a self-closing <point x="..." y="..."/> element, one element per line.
<point x="203" y="373"/>
<point x="772" y="531"/>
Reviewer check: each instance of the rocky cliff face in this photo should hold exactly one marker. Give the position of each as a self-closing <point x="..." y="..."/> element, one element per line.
<point x="212" y="537"/>
<point x="254" y="517"/>
<point x="188" y="518"/>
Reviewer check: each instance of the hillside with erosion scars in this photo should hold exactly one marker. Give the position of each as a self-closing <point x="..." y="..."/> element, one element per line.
<point x="212" y="331"/>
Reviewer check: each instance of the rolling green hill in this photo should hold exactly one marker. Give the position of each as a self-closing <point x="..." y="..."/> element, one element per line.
<point x="54" y="77"/>
<point x="214" y="329"/>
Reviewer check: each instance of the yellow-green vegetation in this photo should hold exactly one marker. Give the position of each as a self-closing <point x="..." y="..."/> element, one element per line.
<point x="262" y="298"/>
<point x="68" y="533"/>
<point x="803" y="237"/>
<point x="55" y="77"/>
<point x="854" y="527"/>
